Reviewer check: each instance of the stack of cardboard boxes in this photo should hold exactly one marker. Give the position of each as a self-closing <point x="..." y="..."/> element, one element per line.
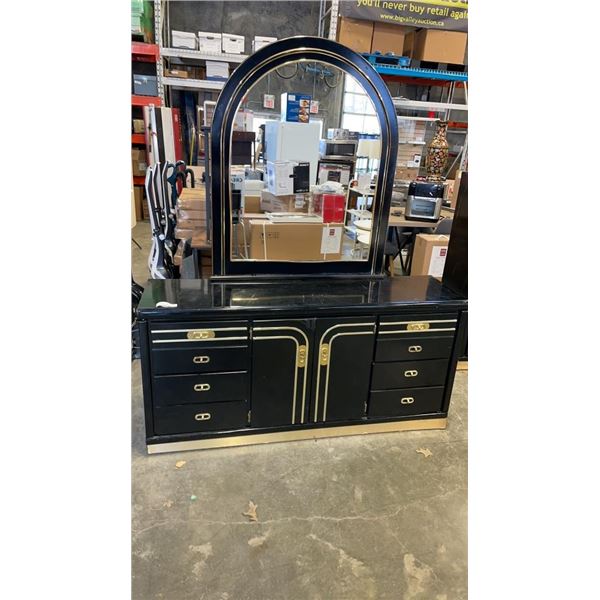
<point x="191" y="213"/>
<point x="433" y="45"/>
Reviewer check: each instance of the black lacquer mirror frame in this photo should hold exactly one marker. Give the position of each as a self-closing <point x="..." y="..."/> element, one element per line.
<point x="237" y="86"/>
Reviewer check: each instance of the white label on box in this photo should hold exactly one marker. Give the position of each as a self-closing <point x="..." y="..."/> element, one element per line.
<point x="437" y="261"/>
<point x="314" y="107"/>
<point x="331" y="240"/>
<point x="269" y="101"/>
<point x="299" y="203"/>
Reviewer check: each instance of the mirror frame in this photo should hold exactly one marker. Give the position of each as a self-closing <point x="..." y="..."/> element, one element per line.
<point x="237" y="86"/>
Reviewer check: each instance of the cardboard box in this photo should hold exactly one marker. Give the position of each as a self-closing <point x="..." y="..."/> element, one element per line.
<point x="138" y="126"/>
<point x="295" y="241"/>
<point x="188" y="214"/>
<point x="210" y="43"/>
<point x="181" y="73"/>
<point x="233" y="44"/>
<point x="436" y="45"/>
<point x="183" y="39"/>
<point x="252" y="204"/>
<point x="138" y="198"/>
<point x="290" y="203"/>
<point x="406" y="173"/>
<point x="409" y="155"/>
<point x="455" y="189"/>
<point x="355" y="33"/>
<point x="429" y="254"/>
<point x="295" y="108"/>
<point x="260" y="41"/>
<point x="243" y="121"/>
<point x="388" y="37"/>
<point x="411" y="131"/>
<point x="332" y="207"/>
<point x="280" y="177"/>
<point x="448" y="189"/>
<point x="216" y="70"/>
<point x="138" y="161"/>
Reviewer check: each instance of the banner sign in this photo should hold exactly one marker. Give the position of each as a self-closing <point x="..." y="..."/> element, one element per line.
<point x="430" y="14"/>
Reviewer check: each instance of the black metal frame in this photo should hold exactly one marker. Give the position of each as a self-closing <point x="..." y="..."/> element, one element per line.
<point x="250" y="71"/>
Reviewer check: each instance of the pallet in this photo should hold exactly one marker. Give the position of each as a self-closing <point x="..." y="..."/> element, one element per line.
<point x="388" y="60"/>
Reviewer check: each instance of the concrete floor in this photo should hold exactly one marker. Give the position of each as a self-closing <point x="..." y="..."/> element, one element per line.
<point x="338" y="519"/>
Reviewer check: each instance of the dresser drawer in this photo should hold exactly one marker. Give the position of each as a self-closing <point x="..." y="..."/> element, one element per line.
<point x="409" y="401"/>
<point x="204" y="334"/>
<point x="417" y="325"/>
<point x="390" y="349"/>
<point x="200" y="417"/>
<point x="212" y="387"/>
<point x="408" y="374"/>
<point x="172" y="361"/>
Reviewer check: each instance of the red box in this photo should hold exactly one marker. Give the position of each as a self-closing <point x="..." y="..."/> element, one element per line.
<point x="332" y="207"/>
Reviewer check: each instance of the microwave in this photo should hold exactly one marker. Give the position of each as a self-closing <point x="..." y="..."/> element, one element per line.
<point x="340" y="148"/>
<point x="424" y="201"/>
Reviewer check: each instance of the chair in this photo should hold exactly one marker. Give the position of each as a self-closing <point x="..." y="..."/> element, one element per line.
<point x="443" y="227"/>
<point x="398" y="239"/>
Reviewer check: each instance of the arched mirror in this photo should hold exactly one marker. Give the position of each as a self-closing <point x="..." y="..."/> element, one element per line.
<point x="302" y="163"/>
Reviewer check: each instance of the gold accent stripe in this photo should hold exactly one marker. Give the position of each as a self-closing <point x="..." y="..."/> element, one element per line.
<point x="294" y="436"/>
<point x="424" y="331"/>
<point x="196" y="328"/>
<point x="422" y="321"/>
<point x="219" y="339"/>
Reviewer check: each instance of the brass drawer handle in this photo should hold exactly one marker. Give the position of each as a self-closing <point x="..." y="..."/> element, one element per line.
<point x="407" y="400"/>
<point x="201" y="360"/>
<point x="202" y="416"/>
<point x="415" y="348"/>
<point x="413" y="373"/>
<point x="202" y="387"/>
<point x="200" y="334"/>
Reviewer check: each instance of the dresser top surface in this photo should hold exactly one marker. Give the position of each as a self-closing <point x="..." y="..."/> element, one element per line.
<point x="198" y="297"/>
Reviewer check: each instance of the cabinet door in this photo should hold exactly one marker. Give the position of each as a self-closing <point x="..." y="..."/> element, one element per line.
<point x="281" y="354"/>
<point x="342" y="368"/>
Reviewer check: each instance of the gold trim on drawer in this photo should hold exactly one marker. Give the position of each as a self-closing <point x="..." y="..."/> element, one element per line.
<point x="297" y="435"/>
<point x="417" y="326"/>
<point x="200" y="334"/>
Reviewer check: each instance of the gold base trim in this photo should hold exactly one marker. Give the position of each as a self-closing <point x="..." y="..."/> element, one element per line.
<point x="294" y="436"/>
<point x="462" y="365"/>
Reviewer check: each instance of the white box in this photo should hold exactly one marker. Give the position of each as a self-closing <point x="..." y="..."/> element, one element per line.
<point x="233" y="44"/>
<point x="260" y="41"/>
<point x="183" y="39"/>
<point x="244" y="121"/>
<point x="294" y="141"/>
<point x="209" y="42"/>
<point x="216" y="69"/>
<point x="280" y="177"/>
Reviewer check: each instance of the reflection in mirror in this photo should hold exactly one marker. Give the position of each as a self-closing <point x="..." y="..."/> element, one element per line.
<point x="305" y="153"/>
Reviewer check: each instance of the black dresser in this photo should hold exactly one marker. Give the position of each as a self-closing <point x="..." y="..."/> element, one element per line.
<point x="244" y="363"/>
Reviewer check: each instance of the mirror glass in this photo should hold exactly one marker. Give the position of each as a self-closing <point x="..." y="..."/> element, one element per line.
<point x="305" y="153"/>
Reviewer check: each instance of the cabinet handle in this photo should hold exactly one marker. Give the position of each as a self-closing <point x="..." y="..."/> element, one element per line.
<point x="415" y="348"/>
<point x="201" y="360"/>
<point x="413" y="373"/>
<point x="407" y="400"/>
<point x="202" y="387"/>
<point x="202" y="416"/>
<point x="200" y="334"/>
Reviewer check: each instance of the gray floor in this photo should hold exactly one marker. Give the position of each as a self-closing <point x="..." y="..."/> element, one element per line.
<point x="339" y="519"/>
